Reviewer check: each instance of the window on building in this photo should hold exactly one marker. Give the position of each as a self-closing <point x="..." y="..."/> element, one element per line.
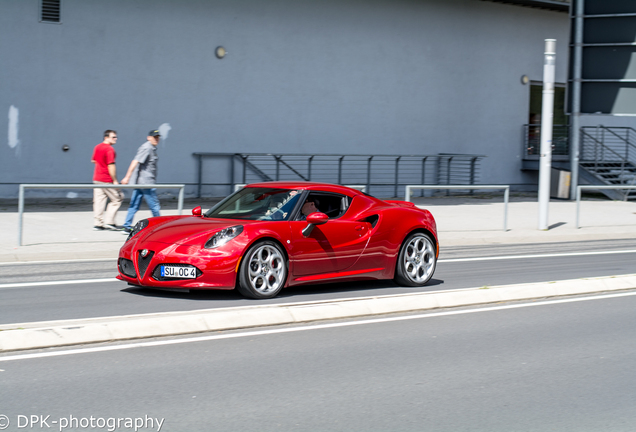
<point x="50" y="11"/>
<point x="560" y="120"/>
<point x="536" y="101"/>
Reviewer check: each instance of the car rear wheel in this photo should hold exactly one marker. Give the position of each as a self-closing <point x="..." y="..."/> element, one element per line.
<point x="263" y="271"/>
<point x="416" y="260"/>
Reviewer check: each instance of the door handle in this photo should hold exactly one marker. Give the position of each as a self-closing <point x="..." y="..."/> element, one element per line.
<point x="359" y="227"/>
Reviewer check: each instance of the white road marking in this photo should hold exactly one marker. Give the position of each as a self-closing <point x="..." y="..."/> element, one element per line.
<point x="79" y="260"/>
<point x="76" y="281"/>
<point x="300" y="328"/>
<point x="553" y="255"/>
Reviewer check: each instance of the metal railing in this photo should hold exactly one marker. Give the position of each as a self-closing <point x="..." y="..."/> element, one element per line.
<point x="609" y="156"/>
<point x="608" y="144"/>
<point x="181" y="188"/>
<point x="532" y="141"/>
<point x="361" y="188"/>
<point x="593" y="187"/>
<point x="506" y="189"/>
<point x="384" y="173"/>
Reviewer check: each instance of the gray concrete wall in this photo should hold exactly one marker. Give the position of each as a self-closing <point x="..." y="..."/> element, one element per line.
<point x="329" y="76"/>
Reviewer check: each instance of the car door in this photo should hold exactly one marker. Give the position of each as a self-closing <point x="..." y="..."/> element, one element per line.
<point x="330" y="247"/>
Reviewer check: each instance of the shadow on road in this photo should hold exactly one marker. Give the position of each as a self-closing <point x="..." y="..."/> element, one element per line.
<point x="296" y="292"/>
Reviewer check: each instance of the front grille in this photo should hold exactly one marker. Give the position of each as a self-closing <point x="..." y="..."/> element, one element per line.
<point x="127" y="268"/>
<point x="156" y="274"/>
<point x="142" y="263"/>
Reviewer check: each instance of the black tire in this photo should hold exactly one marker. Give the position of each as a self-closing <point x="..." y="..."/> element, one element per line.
<point x="263" y="271"/>
<point x="416" y="261"/>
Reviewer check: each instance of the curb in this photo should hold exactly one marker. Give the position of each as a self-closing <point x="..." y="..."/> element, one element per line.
<point x="25" y="336"/>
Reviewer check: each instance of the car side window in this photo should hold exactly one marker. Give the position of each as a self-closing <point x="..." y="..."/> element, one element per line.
<point x="331" y="204"/>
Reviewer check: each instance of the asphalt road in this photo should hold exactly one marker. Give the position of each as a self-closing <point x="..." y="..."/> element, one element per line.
<point x="459" y="268"/>
<point x="521" y="367"/>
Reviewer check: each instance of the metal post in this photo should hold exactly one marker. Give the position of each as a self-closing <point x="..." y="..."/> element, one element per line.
<point x="311" y="158"/>
<point x="180" y="202"/>
<point x="231" y="173"/>
<point x="473" y="161"/>
<point x="423" y="175"/>
<point x="199" y="175"/>
<point x="448" y="174"/>
<point x="602" y="142"/>
<point x="340" y="169"/>
<point x="596" y="148"/>
<point x="395" y="190"/>
<point x="578" y="203"/>
<point x="369" y="174"/>
<point x="506" y="198"/>
<point x="277" y="167"/>
<point x="547" y="114"/>
<point x="20" y="213"/>
<point x="575" y="137"/>
<point x="244" y="169"/>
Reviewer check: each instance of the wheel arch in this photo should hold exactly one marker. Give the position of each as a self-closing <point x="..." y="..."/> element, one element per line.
<point x="239" y="266"/>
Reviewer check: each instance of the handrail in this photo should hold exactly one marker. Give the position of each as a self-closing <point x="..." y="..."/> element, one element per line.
<point x="361" y="188"/>
<point x="605" y="147"/>
<point x="594" y="187"/>
<point x="389" y="170"/>
<point x="617" y="135"/>
<point x="610" y="130"/>
<point x="506" y="188"/>
<point x="24" y="186"/>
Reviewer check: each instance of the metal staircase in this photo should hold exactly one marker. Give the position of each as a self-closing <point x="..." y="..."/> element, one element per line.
<point x="608" y="157"/>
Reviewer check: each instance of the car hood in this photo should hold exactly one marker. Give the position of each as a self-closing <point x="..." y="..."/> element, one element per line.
<point x="189" y="230"/>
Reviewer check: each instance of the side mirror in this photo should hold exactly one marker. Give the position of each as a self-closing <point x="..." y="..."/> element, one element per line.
<point x="313" y="220"/>
<point x="196" y="211"/>
<point x="317" y="218"/>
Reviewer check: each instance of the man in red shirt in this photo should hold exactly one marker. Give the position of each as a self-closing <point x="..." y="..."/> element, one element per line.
<point x="105" y="173"/>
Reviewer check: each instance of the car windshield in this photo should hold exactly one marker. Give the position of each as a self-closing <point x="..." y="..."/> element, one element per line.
<point x="257" y="204"/>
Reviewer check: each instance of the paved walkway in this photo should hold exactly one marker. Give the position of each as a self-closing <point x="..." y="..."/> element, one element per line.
<point x="63" y="229"/>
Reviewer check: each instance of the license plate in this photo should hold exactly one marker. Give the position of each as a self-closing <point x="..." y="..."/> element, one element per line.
<point x="178" y="272"/>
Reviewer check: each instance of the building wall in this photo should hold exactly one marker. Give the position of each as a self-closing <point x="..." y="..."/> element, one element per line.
<point x="301" y="76"/>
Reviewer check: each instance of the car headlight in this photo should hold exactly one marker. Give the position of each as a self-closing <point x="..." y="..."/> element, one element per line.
<point x="138" y="227"/>
<point x="223" y="236"/>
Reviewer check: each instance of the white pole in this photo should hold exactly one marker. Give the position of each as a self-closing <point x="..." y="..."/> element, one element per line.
<point x="547" y="111"/>
<point x="578" y="10"/>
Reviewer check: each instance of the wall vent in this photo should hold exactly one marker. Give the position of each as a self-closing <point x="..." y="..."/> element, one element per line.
<point x="50" y="11"/>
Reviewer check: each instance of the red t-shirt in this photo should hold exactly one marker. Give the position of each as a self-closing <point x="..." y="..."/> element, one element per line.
<point x="103" y="155"/>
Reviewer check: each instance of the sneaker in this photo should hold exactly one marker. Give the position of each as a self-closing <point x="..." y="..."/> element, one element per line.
<point x="113" y="227"/>
<point x="98" y="228"/>
<point x="126" y="230"/>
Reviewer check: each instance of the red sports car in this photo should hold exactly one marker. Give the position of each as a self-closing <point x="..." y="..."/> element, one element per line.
<point x="267" y="236"/>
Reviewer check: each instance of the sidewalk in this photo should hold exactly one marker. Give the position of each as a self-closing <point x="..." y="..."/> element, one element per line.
<point x="63" y="229"/>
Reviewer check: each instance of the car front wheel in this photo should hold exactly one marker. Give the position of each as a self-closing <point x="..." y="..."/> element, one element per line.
<point x="263" y="271"/>
<point x="416" y="261"/>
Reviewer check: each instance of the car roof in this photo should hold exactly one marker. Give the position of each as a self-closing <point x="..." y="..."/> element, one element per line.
<point x="301" y="185"/>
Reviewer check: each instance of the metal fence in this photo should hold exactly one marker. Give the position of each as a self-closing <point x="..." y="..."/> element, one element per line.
<point x="506" y="188"/>
<point x="181" y="188"/>
<point x="381" y="174"/>
<point x="593" y="187"/>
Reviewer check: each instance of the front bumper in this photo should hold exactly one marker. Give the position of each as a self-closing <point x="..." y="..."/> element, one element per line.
<point x="215" y="269"/>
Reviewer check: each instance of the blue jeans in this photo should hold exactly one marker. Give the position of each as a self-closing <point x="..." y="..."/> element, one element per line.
<point x="150" y="195"/>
